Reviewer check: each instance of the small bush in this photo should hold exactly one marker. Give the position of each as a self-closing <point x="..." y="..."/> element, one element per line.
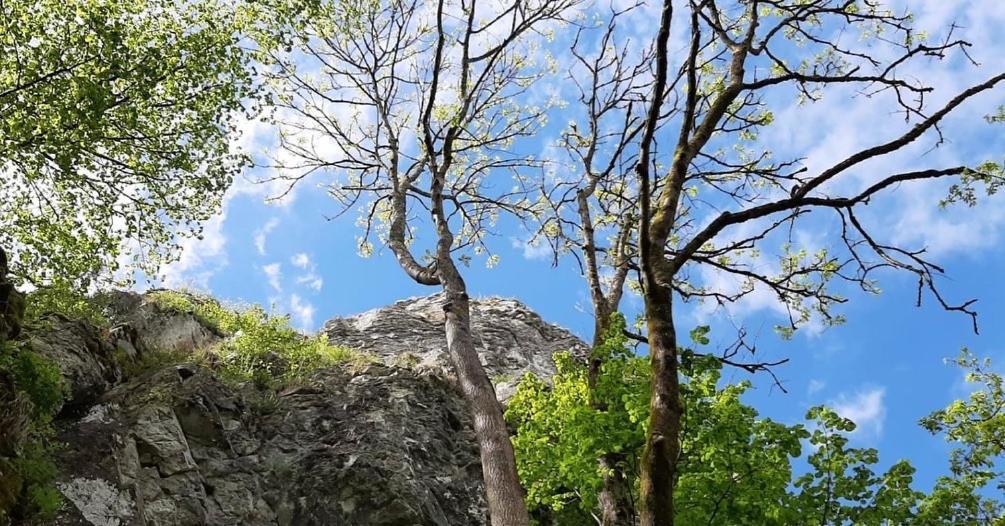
<point x="41" y="500"/>
<point x="37" y="380"/>
<point x="134" y="366"/>
<point x="63" y="299"/>
<point x="261" y="348"/>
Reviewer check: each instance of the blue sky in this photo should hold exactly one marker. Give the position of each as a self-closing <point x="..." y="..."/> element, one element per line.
<point x="884" y="368"/>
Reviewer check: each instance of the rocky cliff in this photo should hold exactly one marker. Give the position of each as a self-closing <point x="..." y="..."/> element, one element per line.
<point x="377" y="444"/>
<point x="511" y="338"/>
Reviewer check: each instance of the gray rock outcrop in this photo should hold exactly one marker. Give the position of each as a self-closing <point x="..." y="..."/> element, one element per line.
<point x="145" y="326"/>
<point x="84" y="357"/>
<point x="511" y="338"/>
<point x="384" y="444"/>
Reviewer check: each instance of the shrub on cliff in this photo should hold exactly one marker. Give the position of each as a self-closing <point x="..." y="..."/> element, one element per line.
<point x="259" y="346"/>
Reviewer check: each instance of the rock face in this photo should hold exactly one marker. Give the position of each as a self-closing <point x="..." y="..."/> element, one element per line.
<point x="83" y="356"/>
<point x="144" y="326"/>
<point x="384" y="445"/>
<point x="511" y="338"/>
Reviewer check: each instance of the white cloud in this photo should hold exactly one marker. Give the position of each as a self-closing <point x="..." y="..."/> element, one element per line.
<point x="311" y="278"/>
<point x="864" y="407"/>
<point x="953" y="230"/>
<point x="275" y="274"/>
<point x="303" y="312"/>
<point x="262" y="233"/>
<point x="844" y="121"/>
<point x="198" y="258"/>
<point x="532" y="249"/>
<point x="257" y="138"/>
<point x="301" y="260"/>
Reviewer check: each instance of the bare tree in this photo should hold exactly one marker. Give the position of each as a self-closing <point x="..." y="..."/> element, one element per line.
<point x="419" y="105"/>
<point x="590" y="216"/>
<point x="713" y="200"/>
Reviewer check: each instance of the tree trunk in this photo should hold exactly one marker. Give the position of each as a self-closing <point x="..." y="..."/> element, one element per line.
<point x="615" y="499"/>
<point x="502" y="485"/>
<point x="659" y="461"/>
<point x="12" y="305"/>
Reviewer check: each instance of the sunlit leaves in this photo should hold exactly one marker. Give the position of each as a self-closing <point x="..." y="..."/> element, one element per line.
<point x="975" y="426"/>
<point x="116" y="119"/>
<point x="990" y="175"/>
<point x="738" y="468"/>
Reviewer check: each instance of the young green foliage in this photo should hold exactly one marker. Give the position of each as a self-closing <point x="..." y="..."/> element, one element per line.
<point x="736" y="467"/>
<point x="116" y="124"/>
<point x="260" y="347"/>
<point x="561" y="435"/>
<point x="976" y="427"/>
<point x="841" y="487"/>
<point x="27" y="440"/>
<point x="728" y="450"/>
<point x="62" y="298"/>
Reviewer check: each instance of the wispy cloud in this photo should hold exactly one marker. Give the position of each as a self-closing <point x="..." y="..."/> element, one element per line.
<point x="531" y="249"/>
<point x="865" y="407"/>
<point x="310" y="278"/>
<point x="275" y="274"/>
<point x="301" y="260"/>
<point x="815" y="386"/>
<point x="303" y="312"/>
<point x="263" y="233"/>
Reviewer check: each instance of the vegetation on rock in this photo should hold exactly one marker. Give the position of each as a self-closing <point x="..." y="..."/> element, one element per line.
<point x="258" y="346"/>
<point x="32" y="391"/>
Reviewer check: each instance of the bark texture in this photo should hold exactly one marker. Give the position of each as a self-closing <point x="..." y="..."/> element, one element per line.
<point x="616" y="506"/>
<point x="505" y="498"/>
<point x="659" y="460"/>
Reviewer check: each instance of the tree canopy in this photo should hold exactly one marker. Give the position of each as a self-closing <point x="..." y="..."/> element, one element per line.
<point x="737" y="467"/>
<point x="116" y="131"/>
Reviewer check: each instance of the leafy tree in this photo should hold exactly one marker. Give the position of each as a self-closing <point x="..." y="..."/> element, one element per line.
<point x="116" y="120"/>
<point x="841" y="486"/>
<point x="565" y="425"/>
<point x="418" y="109"/>
<point x="976" y="426"/>
<point x="737" y="468"/>
<point x="582" y="214"/>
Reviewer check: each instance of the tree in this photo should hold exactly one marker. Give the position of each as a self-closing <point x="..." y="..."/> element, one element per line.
<point x="587" y="208"/>
<point x="420" y="108"/>
<point x="713" y="200"/>
<point x="566" y="423"/>
<point x="116" y="120"/>
<point x="736" y="467"/>
<point x="976" y="426"/>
